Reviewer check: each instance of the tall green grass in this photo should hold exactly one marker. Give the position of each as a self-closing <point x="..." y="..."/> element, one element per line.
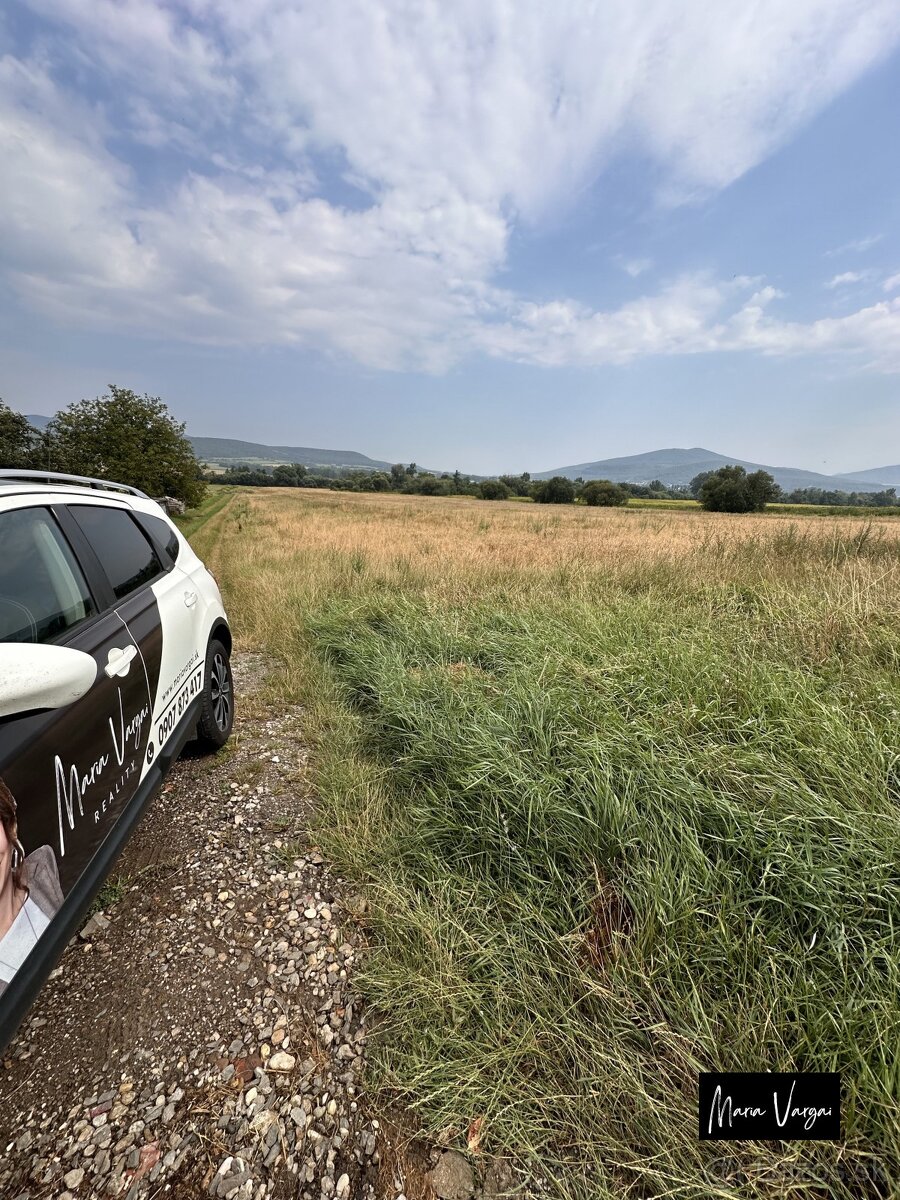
<point x="615" y="844"/>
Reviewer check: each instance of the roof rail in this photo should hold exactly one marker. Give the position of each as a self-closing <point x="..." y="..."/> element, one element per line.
<point x="7" y="476"/>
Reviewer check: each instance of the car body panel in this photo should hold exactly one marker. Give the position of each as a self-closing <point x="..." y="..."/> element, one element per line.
<point x="80" y="774"/>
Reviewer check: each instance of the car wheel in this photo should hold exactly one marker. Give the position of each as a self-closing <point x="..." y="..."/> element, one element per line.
<point x="217" y="708"/>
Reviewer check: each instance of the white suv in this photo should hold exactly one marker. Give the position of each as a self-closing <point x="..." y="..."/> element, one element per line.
<point x="114" y="652"/>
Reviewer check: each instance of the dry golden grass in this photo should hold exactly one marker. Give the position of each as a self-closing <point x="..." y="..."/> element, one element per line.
<point x="474" y="537"/>
<point x="281" y="548"/>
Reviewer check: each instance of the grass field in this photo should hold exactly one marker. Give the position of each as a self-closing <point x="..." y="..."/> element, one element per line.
<point x="623" y="788"/>
<point x="789" y="510"/>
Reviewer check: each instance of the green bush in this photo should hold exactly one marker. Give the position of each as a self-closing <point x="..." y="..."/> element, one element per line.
<point x="731" y="489"/>
<point x="604" y="493"/>
<point x="557" y="490"/>
<point x="493" y="489"/>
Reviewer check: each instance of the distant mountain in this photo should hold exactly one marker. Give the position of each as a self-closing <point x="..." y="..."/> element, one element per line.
<point x="674" y="467"/>
<point x="677" y="467"/>
<point x="888" y="476"/>
<point x="228" y="452"/>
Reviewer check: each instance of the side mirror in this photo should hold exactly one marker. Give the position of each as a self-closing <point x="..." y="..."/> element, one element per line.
<point x="39" y="677"/>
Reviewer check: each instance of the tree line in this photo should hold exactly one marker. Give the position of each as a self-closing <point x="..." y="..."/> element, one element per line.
<point x="729" y="489"/>
<point x="732" y="489"/>
<point x="412" y="481"/>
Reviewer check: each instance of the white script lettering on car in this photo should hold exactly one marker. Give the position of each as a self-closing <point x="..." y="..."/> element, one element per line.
<point x="72" y="784"/>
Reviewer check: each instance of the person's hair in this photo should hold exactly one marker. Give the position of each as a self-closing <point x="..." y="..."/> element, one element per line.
<point x="9" y="823"/>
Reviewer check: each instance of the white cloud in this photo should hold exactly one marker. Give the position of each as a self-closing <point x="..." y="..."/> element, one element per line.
<point x="849" y="277"/>
<point x="871" y="334"/>
<point x="564" y="333"/>
<point x="858" y="246"/>
<point x="693" y="315"/>
<point x="635" y="266"/>
<point x="892" y="283"/>
<point x="348" y="176"/>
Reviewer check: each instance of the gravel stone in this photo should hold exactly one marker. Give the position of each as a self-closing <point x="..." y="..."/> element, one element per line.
<point x="452" y="1177"/>
<point x="282" y="1061"/>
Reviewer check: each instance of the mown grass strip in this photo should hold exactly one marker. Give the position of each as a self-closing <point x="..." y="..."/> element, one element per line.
<point x="217" y="496"/>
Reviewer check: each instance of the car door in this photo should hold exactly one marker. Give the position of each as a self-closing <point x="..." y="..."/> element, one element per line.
<point x="71" y="771"/>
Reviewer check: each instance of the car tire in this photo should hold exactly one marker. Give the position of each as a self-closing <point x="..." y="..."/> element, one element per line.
<point x="217" y="707"/>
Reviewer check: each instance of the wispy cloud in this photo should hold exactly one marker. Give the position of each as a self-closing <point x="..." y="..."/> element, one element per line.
<point x="858" y="246"/>
<point x="892" y="283"/>
<point x="846" y="278"/>
<point x="452" y="125"/>
<point x="635" y="266"/>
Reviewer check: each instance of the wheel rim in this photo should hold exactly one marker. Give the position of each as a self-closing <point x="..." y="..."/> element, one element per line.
<point x="220" y="691"/>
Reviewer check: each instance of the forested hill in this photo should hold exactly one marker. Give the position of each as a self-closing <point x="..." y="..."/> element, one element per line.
<point x="228" y="452"/>
<point x="677" y="467"/>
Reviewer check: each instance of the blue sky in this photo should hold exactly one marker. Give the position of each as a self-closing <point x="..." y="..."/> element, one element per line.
<point x="492" y="235"/>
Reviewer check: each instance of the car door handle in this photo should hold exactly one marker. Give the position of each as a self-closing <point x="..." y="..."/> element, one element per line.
<point x="118" y="661"/>
<point x="190" y="599"/>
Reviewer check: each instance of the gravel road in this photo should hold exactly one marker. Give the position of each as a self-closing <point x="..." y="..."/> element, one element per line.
<point x="202" y="1037"/>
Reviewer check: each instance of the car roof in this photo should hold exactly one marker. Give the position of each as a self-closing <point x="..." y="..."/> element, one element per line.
<point x="44" y="482"/>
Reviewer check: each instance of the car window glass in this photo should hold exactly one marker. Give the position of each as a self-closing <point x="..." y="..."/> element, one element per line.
<point x="124" y="552"/>
<point x="162" y="534"/>
<point x="42" y="589"/>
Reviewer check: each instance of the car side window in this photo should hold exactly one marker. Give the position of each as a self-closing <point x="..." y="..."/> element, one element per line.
<point x="124" y="551"/>
<point x="162" y="535"/>
<point x="42" y="590"/>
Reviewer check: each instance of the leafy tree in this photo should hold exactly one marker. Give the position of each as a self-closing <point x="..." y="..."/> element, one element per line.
<point x="430" y="485"/>
<point x="19" y="440"/>
<point x="762" y="490"/>
<point x="696" y="484"/>
<point x="288" y="474"/>
<point x="558" y="490"/>
<point x="130" y="439"/>
<point x="283" y="476"/>
<point x="725" y="490"/>
<point x="493" y="489"/>
<point x="242" y="476"/>
<point x="731" y="489"/>
<point x="520" y="485"/>
<point x="603" y="493"/>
